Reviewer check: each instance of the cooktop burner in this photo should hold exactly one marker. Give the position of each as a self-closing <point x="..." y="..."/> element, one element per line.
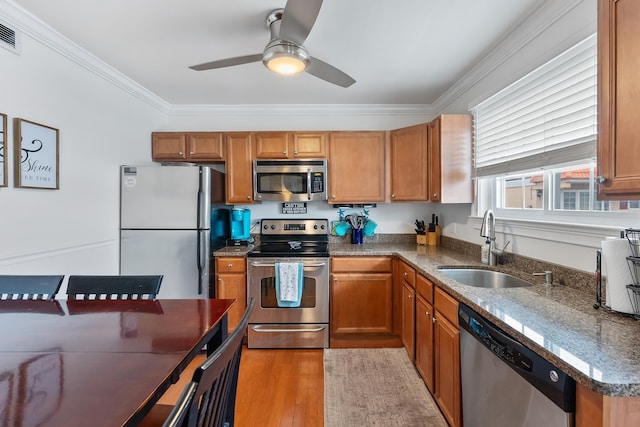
<point x="292" y="238"/>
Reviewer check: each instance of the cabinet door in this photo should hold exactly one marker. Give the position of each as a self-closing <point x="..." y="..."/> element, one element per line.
<point x="356" y="167"/>
<point x="361" y="303"/>
<point x="450" y="164"/>
<point x="447" y="371"/>
<point x="233" y="286"/>
<point x="168" y="146"/>
<point x="309" y="145"/>
<point x="271" y="145"/>
<point x="434" y="161"/>
<point x="424" y="342"/>
<point x="618" y="97"/>
<point x="408" y="319"/>
<point x="205" y="146"/>
<point x="409" y="181"/>
<point x="239" y="168"/>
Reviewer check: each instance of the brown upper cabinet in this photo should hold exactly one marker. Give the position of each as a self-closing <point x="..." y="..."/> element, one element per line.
<point x="290" y="145"/>
<point x="356" y="167"/>
<point x="450" y="165"/>
<point x="187" y="146"/>
<point x="618" y="97"/>
<point x="239" y="168"/>
<point x="409" y="166"/>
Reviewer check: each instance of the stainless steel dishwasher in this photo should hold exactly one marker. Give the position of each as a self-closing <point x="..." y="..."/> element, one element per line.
<point x="505" y="384"/>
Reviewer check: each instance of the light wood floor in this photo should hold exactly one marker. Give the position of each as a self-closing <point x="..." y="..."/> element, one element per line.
<point x="276" y="388"/>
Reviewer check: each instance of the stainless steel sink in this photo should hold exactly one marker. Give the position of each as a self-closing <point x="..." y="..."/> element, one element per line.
<point x="483" y="278"/>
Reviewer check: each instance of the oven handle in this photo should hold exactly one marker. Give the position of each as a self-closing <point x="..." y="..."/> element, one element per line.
<point x="259" y="329"/>
<point x="261" y="264"/>
<point x="309" y="184"/>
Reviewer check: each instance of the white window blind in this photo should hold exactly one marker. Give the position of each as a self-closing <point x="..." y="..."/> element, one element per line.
<point x="546" y="118"/>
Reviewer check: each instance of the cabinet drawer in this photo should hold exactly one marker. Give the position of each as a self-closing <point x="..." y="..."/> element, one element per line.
<point x="230" y="265"/>
<point x="361" y="265"/>
<point x="424" y="288"/>
<point x="447" y="306"/>
<point x="408" y="274"/>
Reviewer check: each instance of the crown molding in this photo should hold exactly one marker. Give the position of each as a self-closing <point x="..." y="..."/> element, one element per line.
<point x="301" y="110"/>
<point x="519" y="35"/>
<point x="41" y="32"/>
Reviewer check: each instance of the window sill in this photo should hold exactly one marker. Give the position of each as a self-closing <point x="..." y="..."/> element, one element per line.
<point x="552" y="231"/>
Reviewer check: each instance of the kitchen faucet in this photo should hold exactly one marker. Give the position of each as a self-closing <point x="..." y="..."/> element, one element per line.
<point x="488" y="231"/>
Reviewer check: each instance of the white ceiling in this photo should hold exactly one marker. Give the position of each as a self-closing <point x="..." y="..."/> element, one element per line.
<point x="399" y="52"/>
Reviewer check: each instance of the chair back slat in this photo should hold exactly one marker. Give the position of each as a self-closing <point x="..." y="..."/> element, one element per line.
<point x="29" y="287"/>
<point x="113" y="287"/>
<point x="212" y="402"/>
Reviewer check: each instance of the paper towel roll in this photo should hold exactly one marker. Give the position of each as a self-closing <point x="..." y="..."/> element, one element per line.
<point x="614" y="260"/>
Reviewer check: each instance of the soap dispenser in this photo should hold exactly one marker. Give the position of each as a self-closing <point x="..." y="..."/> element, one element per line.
<point x="484" y="253"/>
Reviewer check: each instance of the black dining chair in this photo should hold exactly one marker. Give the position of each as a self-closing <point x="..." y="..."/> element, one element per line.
<point x="209" y="399"/>
<point x="29" y="287"/>
<point x="113" y="287"/>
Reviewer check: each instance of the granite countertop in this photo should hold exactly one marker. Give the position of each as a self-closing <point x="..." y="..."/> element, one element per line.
<point x="597" y="348"/>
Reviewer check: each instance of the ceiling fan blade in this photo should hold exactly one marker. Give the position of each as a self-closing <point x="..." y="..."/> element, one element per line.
<point x="229" y="62"/>
<point x="298" y="19"/>
<point x="329" y="73"/>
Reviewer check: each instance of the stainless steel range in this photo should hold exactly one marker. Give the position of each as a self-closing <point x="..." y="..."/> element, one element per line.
<point x="275" y="323"/>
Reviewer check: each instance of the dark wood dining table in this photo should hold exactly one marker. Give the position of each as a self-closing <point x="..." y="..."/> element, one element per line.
<point x="98" y="363"/>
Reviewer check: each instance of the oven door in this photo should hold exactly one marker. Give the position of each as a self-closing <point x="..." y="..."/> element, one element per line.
<point x="314" y="304"/>
<point x="271" y="326"/>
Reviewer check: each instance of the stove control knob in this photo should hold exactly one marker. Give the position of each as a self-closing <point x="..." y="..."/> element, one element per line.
<point x="266" y="227"/>
<point x="315" y="227"/>
<point x="322" y="227"/>
<point x="273" y="227"/>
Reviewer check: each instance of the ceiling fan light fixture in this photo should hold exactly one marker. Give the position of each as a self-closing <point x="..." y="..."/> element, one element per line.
<point x="285" y="58"/>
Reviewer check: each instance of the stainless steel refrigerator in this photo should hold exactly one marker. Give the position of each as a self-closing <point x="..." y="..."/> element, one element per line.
<point x="164" y="226"/>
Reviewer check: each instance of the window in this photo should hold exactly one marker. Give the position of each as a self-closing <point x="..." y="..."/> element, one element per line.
<point x="535" y="144"/>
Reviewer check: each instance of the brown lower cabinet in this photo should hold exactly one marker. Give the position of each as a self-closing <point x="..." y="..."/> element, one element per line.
<point x="448" y="392"/>
<point x="231" y="283"/>
<point x="437" y="346"/>
<point x="425" y="356"/>
<point x="361" y="302"/>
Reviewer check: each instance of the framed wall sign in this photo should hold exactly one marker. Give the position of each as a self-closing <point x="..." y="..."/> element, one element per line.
<point x="3" y="150"/>
<point x="36" y="155"/>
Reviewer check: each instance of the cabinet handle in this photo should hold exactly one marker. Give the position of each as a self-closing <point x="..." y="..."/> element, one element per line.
<point x="284" y="152"/>
<point x="435" y="195"/>
<point x="219" y="279"/>
<point x="295" y="151"/>
<point x="191" y="153"/>
<point x="335" y="280"/>
<point x="601" y="179"/>
<point x="333" y="196"/>
<point x="405" y="274"/>
<point x="410" y="296"/>
<point x="433" y="320"/>
<point x="427" y="313"/>
<point x="180" y="153"/>
<point x="393" y="196"/>
<point x="229" y="265"/>
<point x="248" y="197"/>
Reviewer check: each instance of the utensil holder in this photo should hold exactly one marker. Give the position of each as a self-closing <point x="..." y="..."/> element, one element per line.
<point x="356" y="236"/>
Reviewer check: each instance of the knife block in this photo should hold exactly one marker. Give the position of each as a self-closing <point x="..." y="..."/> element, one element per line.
<point x="421" y="239"/>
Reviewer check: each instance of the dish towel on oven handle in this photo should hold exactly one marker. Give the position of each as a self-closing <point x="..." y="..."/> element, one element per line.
<point x="289" y="283"/>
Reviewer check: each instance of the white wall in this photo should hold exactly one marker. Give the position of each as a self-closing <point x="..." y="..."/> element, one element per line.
<point x="73" y="229"/>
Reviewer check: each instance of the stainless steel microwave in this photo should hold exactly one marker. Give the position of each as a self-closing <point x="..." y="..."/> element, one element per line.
<point x="289" y="180"/>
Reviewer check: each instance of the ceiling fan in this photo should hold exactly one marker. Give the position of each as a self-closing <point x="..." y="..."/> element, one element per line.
<point x="285" y="53"/>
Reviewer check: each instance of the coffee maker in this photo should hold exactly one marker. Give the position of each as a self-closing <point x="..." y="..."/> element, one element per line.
<point x="240" y="220"/>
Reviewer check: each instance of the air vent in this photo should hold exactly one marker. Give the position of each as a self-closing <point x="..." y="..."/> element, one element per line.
<point x="8" y="38"/>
